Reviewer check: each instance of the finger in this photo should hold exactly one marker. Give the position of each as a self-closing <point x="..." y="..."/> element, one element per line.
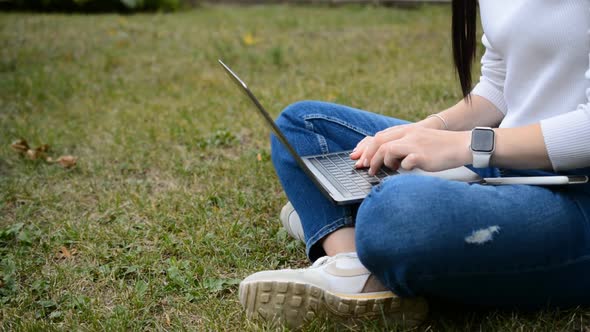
<point x="362" y="161"/>
<point x="391" y="152"/>
<point x="360" y="147"/>
<point x="361" y="142"/>
<point x="380" y="138"/>
<point x="391" y="162"/>
<point x="370" y="150"/>
<point x="377" y="160"/>
<point x="411" y="161"/>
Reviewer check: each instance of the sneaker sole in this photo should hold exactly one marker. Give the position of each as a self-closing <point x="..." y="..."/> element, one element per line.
<point x="293" y="304"/>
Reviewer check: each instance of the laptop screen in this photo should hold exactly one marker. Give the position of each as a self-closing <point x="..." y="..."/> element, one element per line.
<point x="265" y="115"/>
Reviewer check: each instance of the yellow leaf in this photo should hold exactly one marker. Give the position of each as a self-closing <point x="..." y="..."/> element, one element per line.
<point x="259" y="157"/>
<point x="249" y="40"/>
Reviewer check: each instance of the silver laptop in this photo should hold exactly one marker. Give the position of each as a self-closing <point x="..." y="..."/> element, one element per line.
<point x="334" y="173"/>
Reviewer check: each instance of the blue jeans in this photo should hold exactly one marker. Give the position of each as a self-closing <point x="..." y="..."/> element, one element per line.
<point x="525" y="246"/>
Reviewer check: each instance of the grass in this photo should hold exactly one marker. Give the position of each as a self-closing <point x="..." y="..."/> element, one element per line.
<point x="168" y="207"/>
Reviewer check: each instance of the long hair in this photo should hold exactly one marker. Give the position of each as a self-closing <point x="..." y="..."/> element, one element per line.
<point x="464" y="41"/>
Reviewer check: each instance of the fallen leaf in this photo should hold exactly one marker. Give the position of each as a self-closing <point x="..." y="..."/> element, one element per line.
<point x="35" y="154"/>
<point x="64" y="253"/>
<point x="259" y="157"/>
<point x="20" y="146"/>
<point x="167" y="319"/>
<point x="249" y="40"/>
<point x="64" y="161"/>
<point x="43" y="148"/>
<point x="67" y="161"/>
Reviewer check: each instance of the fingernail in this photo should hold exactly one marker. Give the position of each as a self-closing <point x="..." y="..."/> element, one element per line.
<point x="366" y="162"/>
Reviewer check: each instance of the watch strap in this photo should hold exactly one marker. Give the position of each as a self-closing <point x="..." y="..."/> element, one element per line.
<point x="481" y="160"/>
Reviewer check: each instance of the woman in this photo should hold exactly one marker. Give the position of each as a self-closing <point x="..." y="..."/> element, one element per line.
<point x="419" y="236"/>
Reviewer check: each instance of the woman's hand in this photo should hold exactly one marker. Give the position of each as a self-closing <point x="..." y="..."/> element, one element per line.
<point x="412" y="145"/>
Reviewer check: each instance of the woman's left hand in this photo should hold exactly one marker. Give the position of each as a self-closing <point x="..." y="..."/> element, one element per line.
<point x="411" y="146"/>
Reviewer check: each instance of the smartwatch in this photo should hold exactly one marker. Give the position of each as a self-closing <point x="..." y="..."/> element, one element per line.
<point x="483" y="143"/>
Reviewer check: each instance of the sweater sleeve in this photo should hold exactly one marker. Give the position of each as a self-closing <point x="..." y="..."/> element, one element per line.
<point x="567" y="136"/>
<point x="493" y="75"/>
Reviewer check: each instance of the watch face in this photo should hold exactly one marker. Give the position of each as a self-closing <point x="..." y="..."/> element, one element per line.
<point x="482" y="140"/>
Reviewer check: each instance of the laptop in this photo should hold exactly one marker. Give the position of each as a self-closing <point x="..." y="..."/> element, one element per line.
<point x="334" y="173"/>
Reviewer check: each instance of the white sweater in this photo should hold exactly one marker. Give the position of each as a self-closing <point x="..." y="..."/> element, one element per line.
<point x="536" y="69"/>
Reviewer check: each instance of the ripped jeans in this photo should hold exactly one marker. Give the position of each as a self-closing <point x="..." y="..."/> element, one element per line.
<point x="525" y="246"/>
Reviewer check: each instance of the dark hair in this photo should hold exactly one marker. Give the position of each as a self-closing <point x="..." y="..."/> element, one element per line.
<point x="464" y="40"/>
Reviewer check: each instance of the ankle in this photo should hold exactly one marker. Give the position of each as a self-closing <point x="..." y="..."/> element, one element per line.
<point x="339" y="241"/>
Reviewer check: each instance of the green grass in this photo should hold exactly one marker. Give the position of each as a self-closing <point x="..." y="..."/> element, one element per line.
<point x="168" y="206"/>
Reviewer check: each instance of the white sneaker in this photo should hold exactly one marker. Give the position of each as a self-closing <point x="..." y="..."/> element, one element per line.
<point x="291" y="222"/>
<point x="339" y="286"/>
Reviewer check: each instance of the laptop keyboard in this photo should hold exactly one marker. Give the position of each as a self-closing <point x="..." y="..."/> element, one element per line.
<point x="340" y="170"/>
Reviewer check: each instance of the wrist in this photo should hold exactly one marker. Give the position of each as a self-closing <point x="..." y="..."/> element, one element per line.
<point x="432" y="123"/>
<point x="464" y="147"/>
